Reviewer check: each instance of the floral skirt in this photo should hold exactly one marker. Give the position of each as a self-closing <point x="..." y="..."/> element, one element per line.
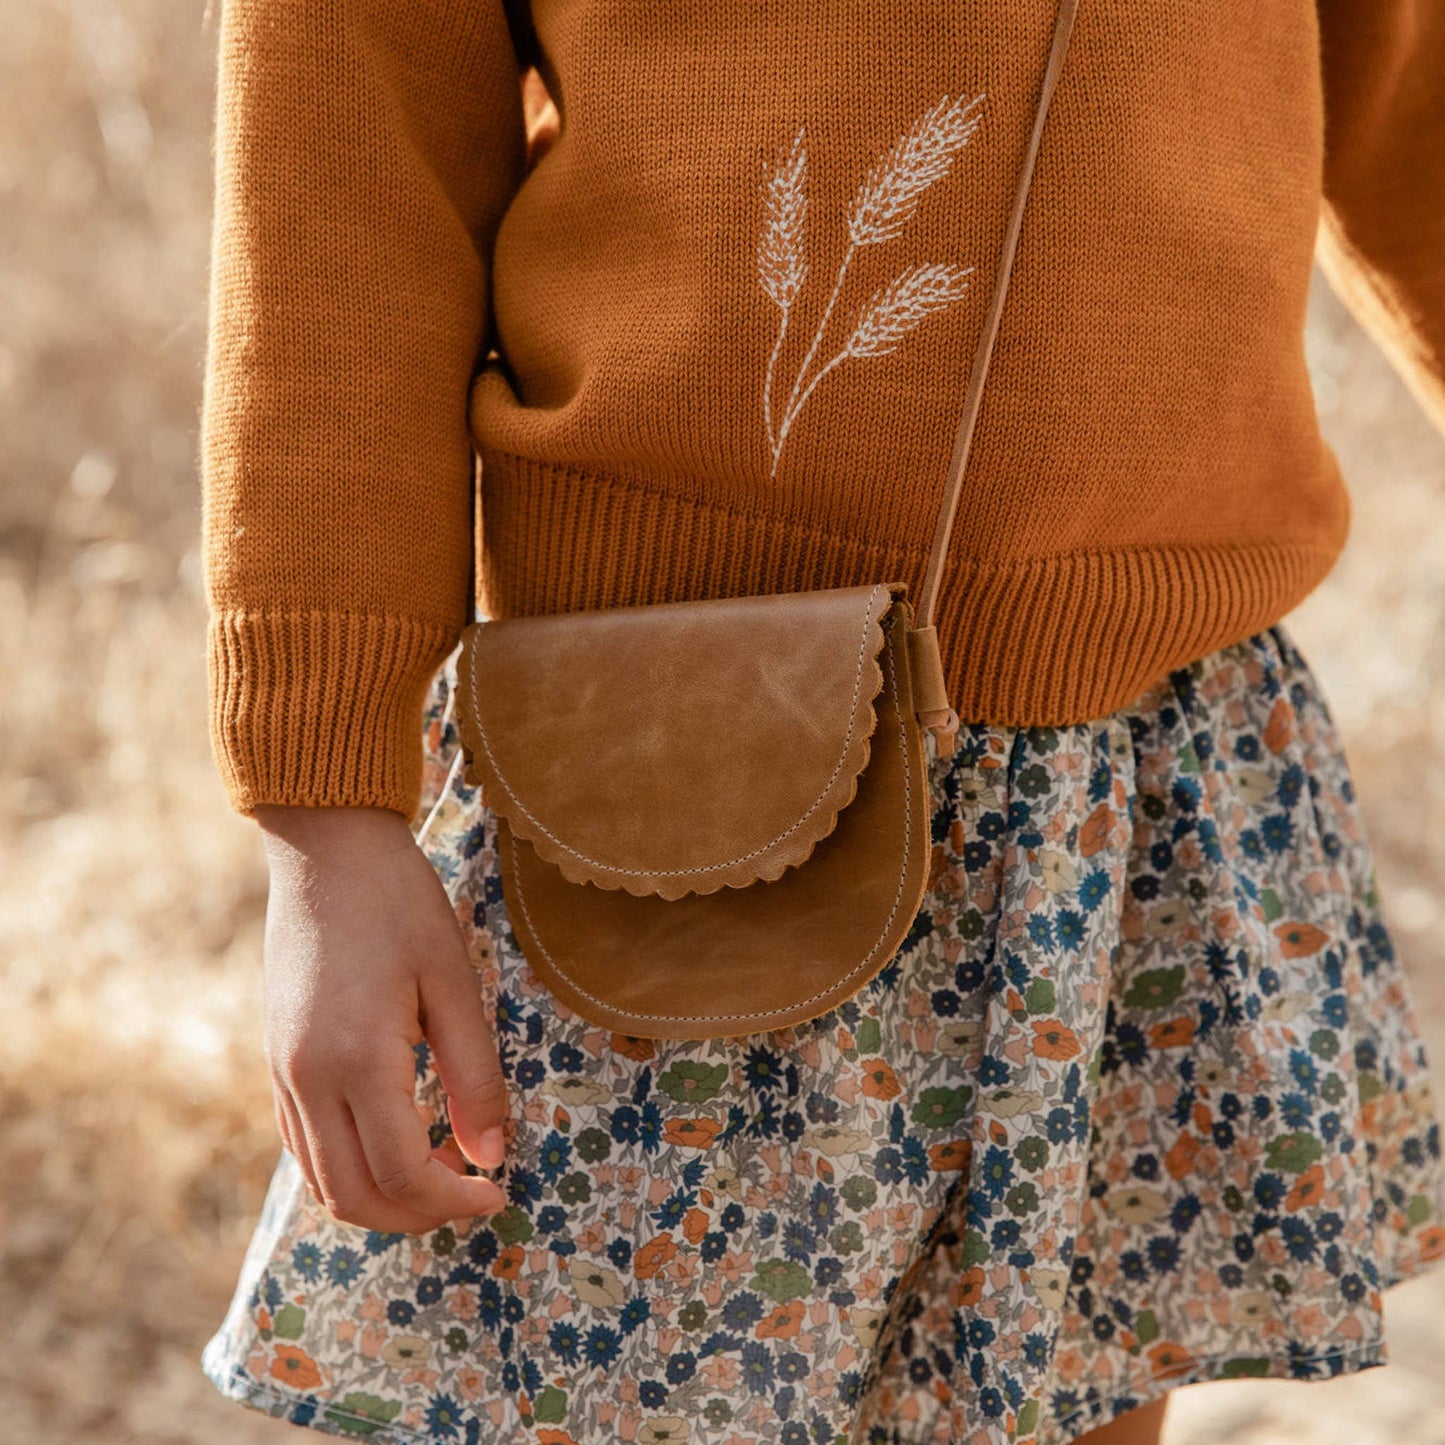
<point x="1140" y="1101"/>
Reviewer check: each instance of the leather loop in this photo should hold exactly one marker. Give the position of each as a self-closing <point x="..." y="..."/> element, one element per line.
<point x="930" y="690"/>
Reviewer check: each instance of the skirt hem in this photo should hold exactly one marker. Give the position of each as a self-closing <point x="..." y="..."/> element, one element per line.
<point x="318" y="1413"/>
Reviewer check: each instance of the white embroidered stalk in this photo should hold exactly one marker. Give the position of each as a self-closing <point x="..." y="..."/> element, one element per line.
<point x="888" y="197"/>
<point x="881" y="208"/>
<point x="781" y="262"/>
<point x="894" y="311"/>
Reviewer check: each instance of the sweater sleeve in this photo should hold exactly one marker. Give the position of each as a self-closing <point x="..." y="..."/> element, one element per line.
<point x="1382" y="233"/>
<point x="364" y="153"/>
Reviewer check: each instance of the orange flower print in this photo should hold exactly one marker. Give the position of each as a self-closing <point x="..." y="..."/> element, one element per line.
<point x="952" y="1155"/>
<point x="879" y="1080"/>
<point x="653" y="1255"/>
<point x="1168" y="1357"/>
<point x="548" y="1436"/>
<point x="1431" y="1241"/>
<point x="1307" y="1189"/>
<point x="1172" y="1034"/>
<point x="970" y="1286"/>
<point x="1053" y="1041"/>
<point x="1298" y="940"/>
<point x="691" y="1133"/>
<point x="294" y="1367"/>
<point x="783" y="1323"/>
<point x="1179" y="1161"/>
<point x="508" y="1263"/>
<point x="694" y="1224"/>
<point x="1280" y="728"/>
<point x="1096" y="830"/>
<point x="633" y="1048"/>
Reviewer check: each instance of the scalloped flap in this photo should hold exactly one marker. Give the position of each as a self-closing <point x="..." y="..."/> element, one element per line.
<point x="681" y="747"/>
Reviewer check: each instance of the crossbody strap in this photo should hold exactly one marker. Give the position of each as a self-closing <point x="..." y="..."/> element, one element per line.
<point x="973" y="399"/>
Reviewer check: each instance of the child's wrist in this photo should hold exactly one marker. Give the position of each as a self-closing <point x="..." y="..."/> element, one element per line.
<point x="296" y="830"/>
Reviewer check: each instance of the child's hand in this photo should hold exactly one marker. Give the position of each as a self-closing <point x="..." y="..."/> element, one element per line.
<point x="363" y="957"/>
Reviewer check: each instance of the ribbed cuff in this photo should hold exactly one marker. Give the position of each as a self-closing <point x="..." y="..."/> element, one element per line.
<point x="321" y="709"/>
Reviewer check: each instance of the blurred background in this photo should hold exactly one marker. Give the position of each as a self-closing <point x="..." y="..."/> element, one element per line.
<point x="136" y="1130"/>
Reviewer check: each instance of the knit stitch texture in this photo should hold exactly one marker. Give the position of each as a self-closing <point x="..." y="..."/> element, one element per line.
<point x="716" y="340"/>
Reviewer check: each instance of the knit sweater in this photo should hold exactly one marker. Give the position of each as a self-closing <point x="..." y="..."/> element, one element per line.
<point x="715" y="340"/>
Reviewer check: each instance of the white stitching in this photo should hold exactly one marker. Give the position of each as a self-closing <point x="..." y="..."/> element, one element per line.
<point x="541" y="827"/>
<point x="700" y="1018"/>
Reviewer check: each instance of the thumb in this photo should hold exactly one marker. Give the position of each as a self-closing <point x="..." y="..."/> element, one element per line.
<point x="465" y="1052"/>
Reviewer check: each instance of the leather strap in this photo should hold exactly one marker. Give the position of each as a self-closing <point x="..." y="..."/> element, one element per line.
<point x="973" y="399"/>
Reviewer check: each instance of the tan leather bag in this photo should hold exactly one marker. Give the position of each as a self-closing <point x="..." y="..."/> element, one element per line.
<point x="713" y="816"/>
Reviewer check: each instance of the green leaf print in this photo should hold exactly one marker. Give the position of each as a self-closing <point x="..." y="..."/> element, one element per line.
<point x="1032" y="1152"/>
<point x="859" y="1192"/>
<point x="782" y="1280"/>
<point x="512" y="1225"/>
<point x="690" y="1081"/>
<point x="1155" y="987"/>
<point x="289" y="1322"/>
<point x="550" y="1407"/>
<point x="868" y="1036"/>
<point x="1417" y="1211"/>
<point x="1039" y="996"/>
<point x="941" y="1108"/>
<point x="1188" y="759"/>
<point x="1246" y="1367"/>
<point x="1028" y="1417"/>
<point x="975" y="1248"/>
<point x="593" y="1145"/>
<point x="362" y="1414"/>
<point x="1022" y="1199"/>
<point x="1146" y="1327"/>
<point x="1269" y="901"/>
<point x="575" y="1188"/>
<point x="1294" y="1152"/>
<point x="1034" y="781"/>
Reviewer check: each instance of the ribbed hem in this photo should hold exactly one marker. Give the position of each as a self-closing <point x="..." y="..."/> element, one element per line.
<point x="320" y="708"/>
<point x="1045" y="641"/>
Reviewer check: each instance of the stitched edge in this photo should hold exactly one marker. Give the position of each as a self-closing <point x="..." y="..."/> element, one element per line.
<point x="769" y="1013"/>
<point x="868" y="625"/>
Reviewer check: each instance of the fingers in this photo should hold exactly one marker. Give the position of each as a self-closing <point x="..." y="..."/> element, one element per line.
<point x="403" y="1168"/>
<point x="464" y="1051"/>
<point x="294" y="1137"/>
<point x="420" y="1188"/>
<point x="347" y="1188"/>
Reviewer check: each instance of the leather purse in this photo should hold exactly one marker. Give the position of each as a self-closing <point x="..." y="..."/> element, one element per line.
<point x="713" y="816"/>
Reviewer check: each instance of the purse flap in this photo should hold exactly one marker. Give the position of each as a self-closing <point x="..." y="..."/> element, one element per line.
<point x="681" y="747"/>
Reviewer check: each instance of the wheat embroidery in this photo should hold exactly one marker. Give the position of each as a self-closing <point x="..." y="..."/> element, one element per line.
<point x="885" y="201"/>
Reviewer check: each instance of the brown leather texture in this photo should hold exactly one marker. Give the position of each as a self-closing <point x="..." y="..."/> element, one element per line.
<point x="726" y="960"/>
<point x="678" y="748"/>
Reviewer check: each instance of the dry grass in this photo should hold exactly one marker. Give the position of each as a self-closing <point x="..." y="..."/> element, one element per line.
<point x="136" y="1134"/>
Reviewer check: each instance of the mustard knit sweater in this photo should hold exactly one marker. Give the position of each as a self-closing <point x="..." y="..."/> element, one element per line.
<point x="716" y="340"/>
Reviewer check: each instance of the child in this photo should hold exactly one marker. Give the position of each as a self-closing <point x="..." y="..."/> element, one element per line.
<point x="1141" y="1099"/>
